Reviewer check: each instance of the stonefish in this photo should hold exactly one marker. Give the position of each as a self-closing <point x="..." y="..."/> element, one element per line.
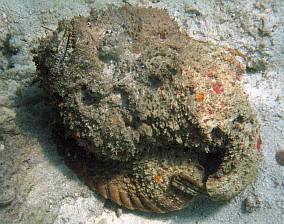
<point x="149" y="117"/>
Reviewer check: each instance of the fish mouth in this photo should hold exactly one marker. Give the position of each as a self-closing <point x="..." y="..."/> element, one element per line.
<point x="209" y="164"/>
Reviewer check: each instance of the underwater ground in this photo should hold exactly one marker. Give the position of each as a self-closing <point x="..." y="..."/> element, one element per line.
<point x="35" y="184"/>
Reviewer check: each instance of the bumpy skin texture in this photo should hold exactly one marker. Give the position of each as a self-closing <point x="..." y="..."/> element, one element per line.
<point x="139" y="95"/>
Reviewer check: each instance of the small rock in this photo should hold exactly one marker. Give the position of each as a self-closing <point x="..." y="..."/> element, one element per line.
<point x="256" y="65"/>
<point x="4" y="16"/>
<point x="259" y="5"/>
<point x="192" y="10"/>
<point x="103" y="221"/>
<point x="118" y="212"/>
<point x="252" y="203"/>
<point x="267" y="26"/>
<point x="89" y="1"/>
<point x="7" y="195"/>
<point x="3" y="99"/>
<point x="279" y="156"/>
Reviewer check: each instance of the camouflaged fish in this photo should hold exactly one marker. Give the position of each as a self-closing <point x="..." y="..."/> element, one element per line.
<point x="155" y="117"/>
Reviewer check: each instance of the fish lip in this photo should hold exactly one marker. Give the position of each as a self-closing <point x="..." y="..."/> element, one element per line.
<point x="187" y="184"/>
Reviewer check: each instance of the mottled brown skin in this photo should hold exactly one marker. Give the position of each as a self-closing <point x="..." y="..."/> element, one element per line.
<point x="141" y="96"/>
<point x="146" y="185"/>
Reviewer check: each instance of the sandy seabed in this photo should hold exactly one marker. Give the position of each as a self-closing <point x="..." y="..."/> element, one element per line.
<point x="35" y="184"/>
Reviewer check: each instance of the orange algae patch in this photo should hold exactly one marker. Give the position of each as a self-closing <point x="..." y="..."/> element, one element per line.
<point x="157" y="178"/>
<point x="199" y="97"/>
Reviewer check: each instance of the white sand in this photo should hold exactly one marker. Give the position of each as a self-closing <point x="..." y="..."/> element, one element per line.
<point x="48" y="192"/>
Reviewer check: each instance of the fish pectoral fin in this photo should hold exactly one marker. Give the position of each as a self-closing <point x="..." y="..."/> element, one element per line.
<point x="187" y="184"/>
